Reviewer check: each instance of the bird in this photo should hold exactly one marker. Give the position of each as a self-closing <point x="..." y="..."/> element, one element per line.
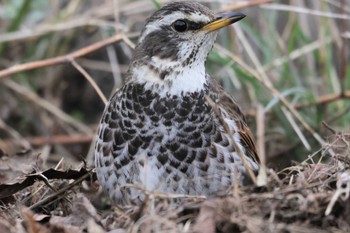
<point x="170" y="127"/>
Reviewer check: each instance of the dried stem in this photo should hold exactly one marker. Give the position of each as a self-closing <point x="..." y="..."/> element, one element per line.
<point x="60" y="59"/>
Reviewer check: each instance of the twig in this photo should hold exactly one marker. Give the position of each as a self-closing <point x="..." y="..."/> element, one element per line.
<point x="60" y="59"/>
<point x="325" y="99"/>
<point x="90" y="80"/>
<point x="60" y="192"/>
<point x="321" y="100"/>
<point x="128" y="41"/>
<point x="329" y="128"/>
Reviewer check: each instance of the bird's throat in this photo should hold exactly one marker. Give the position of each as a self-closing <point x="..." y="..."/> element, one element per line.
<point x="172" y="78"/>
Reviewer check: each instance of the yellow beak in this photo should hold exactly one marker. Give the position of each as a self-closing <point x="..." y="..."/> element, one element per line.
<point x="223" y="20"/>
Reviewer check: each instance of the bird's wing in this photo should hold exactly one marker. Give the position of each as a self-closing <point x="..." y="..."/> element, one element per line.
<point x="228" y="104"/>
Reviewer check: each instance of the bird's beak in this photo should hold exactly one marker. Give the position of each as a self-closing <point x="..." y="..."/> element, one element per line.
<point x="223" y="20"/>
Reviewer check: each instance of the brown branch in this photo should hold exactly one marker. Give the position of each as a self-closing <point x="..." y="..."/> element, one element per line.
<point x="325" y="99"/>
<point x="321" y="100"/>
<point x="60" y="59"/>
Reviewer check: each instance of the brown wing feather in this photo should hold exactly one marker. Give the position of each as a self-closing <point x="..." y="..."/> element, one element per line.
<point x="226" y="102"/>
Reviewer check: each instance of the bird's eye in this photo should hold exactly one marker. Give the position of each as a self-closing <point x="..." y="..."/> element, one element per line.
<point x="180" y="25"/>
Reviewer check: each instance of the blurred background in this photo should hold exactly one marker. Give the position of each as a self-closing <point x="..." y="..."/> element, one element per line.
<point x="286" y="63"/>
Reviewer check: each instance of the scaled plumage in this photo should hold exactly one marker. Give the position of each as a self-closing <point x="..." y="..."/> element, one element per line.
<point x="158" y="131"/>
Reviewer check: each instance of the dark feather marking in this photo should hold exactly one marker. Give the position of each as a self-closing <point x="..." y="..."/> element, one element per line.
<point x="162" y="158"/>
<point x="181" y="154"/>
<point x="174" y="164"/>
<point x="163" y="74"/>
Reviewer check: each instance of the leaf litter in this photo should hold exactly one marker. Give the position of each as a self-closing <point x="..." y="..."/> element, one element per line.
<point x="312" y="196"/>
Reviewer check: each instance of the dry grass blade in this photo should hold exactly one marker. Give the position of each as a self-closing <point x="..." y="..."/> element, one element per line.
<point x="260" y="119"/>
<point x="296" y="128"/>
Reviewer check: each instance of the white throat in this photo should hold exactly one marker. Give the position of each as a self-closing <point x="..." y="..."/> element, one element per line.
<point x="179" y="80"/>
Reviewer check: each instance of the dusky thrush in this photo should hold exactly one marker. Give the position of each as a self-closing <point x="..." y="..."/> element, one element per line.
<point x="170" y="127"/>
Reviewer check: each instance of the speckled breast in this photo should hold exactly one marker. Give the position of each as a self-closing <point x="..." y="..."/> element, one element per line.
<point x="164" y="143"/>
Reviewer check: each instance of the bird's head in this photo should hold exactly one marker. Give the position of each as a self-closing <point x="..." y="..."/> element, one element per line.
<point x="174" y="45"/>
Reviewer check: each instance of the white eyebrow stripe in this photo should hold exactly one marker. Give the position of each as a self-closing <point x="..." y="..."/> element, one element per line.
<point x="198" y="17"/>
<point x="169" y="19"/>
